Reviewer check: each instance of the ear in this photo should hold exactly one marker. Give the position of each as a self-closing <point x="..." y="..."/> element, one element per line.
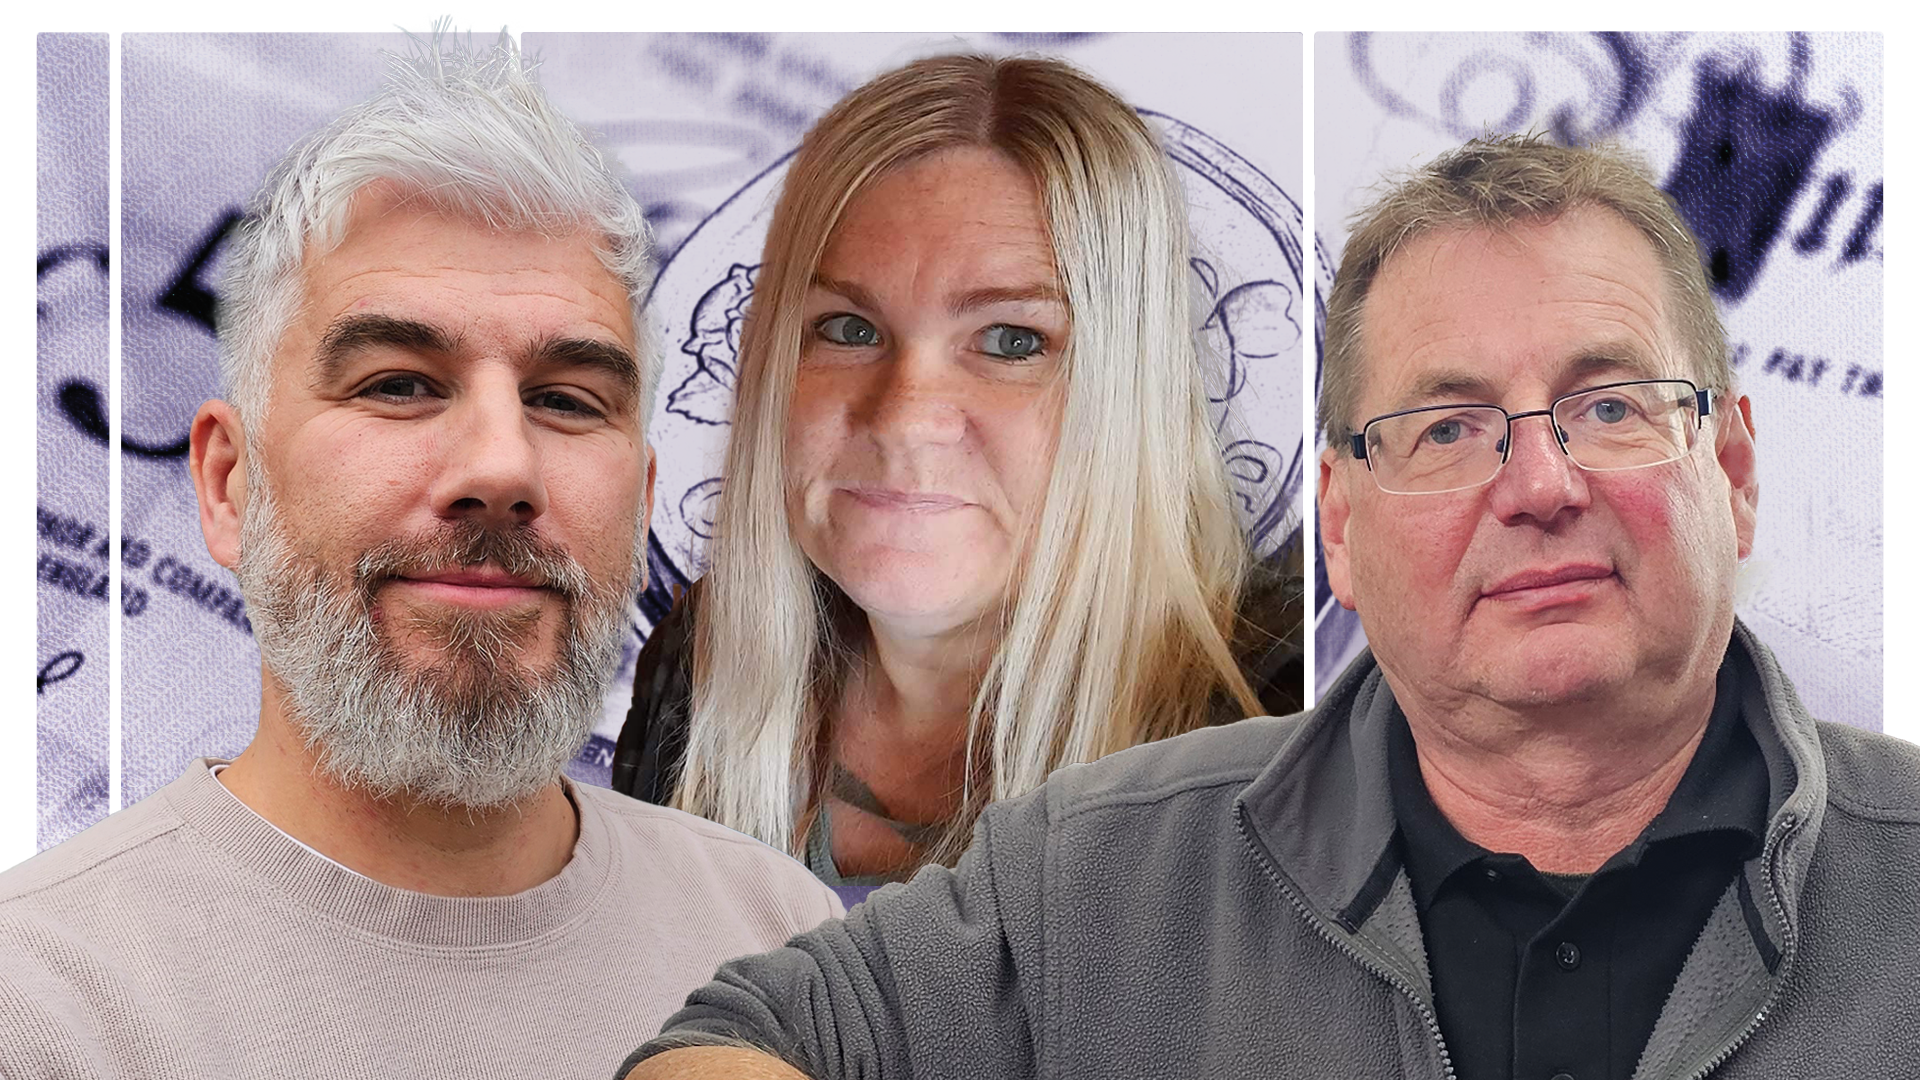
<point x="216" y="448"/>
<point x="1335" y="511"/>
<point x="1734" y="449"/>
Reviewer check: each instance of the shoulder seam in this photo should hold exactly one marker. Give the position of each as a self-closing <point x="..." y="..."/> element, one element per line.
<point x="1094" y="801"/>
<point x="138" y="839"/>
<point x="1901" y="814"/>
<point x="1842" y="743"/>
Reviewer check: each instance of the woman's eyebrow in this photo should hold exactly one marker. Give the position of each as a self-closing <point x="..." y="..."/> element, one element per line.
<point x="847" y="290"/>
<point x="961" y="303"/>
<point x="974" y="299"/>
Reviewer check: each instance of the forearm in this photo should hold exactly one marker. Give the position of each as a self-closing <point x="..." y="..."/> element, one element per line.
<point x="714" y="1063"/>
<point x="923" y="982"/>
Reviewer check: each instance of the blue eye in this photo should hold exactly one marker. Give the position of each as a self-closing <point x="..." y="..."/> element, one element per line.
<point x="1012" y="342"/>
<point x="1610" y="410"/>
<point x="851" y="330"/>
<point x="1444" y="432"/>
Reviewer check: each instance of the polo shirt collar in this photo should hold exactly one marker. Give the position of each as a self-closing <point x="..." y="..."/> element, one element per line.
<point x="1723" y="790"/>
<point x="1323" y="807"/>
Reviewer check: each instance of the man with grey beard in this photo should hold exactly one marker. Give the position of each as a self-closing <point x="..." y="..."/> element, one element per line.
<point x="430" y="473"/>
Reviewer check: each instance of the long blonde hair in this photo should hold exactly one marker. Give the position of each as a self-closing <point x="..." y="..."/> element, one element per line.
<point x="1118" y="629"/>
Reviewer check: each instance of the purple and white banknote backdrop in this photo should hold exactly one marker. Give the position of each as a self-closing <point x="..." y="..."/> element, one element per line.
<point x="70" y="566"/>
<point x="1770" y="144"/>
<point x="704" y="125"/>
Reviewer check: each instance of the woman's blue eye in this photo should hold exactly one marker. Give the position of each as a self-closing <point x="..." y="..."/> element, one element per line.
<point x="1012" y="342"/>
<point x="848" y="330"/>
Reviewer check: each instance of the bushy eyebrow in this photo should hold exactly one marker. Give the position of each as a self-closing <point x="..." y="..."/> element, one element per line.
<point x="352" y="334"/>
<point x="1611" y="361"/>
<point x="960" y="304"/>
<point x="1447" y="386"/>
<point x="1623" y="361"/>
<point x="601" y="356"/>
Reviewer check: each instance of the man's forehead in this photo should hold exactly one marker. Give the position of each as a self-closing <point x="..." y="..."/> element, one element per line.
<point x="386" y="223"/>
<point x="1467" y="311"/>
<point x="463" y="282"/>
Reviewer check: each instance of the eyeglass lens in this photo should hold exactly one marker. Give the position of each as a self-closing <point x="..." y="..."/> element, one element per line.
<point x="1609" y="428"/>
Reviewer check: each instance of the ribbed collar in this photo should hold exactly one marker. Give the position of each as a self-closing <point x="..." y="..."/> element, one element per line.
<point x="299" y="876"/>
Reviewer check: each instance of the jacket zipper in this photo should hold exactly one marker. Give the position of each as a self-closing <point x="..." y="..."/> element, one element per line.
<point x="1788" y="823"/>
<point x="1265" y="859"/>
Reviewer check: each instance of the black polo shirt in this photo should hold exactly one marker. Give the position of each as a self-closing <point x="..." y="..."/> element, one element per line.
<point x="1538" y="976"/>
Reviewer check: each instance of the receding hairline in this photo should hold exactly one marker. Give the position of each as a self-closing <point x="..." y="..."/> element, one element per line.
<point x="1499" y="179"/>
<point x="1595" y="357"/>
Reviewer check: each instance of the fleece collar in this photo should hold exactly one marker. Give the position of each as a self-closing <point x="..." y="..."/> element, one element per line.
<point x="1323" y="808"/>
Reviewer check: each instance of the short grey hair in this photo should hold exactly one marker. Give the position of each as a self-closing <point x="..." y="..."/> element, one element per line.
<point x="1494" y="183"/>
<point x="469" y="132"/>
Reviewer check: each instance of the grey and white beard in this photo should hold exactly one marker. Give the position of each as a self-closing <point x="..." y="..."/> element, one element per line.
<point x="476" y="728"/>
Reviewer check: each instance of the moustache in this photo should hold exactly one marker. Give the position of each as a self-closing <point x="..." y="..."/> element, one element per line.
<point x="518" y="551"/>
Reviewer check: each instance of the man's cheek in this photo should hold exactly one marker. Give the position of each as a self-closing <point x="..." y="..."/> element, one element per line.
<point x="1647" y="509"/>
<point x="1409" y="565"/>
<point x="1669" y="542"/>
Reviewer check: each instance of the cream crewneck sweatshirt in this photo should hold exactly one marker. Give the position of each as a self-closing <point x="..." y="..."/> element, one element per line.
<point x="187" y="937"/>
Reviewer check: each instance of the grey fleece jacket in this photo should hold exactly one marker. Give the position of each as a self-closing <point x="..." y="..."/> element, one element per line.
<point x="1231" y="903"/>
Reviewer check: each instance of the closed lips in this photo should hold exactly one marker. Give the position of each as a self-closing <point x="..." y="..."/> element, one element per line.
<point x="1542" y="579"/>
<point x="906" y="500"/>
<point x="477" y="578"/>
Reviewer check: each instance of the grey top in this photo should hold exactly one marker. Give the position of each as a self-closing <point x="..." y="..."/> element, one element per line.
<point x="1230" y="903"/>
<point x="185" y="936"/>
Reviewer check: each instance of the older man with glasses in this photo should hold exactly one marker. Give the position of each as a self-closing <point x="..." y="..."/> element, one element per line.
<point x="1566" y="821"/>
<point x="1591" y="766"/>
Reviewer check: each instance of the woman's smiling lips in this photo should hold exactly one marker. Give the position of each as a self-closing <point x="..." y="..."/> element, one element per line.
<point x="906" y="502"/>
<point x="1544" y="587"/>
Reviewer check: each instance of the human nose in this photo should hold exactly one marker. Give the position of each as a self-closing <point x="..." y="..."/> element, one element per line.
<point x="491" y="463"/>
<point x="1539" y="482"/>
<point x="913" y="399"/>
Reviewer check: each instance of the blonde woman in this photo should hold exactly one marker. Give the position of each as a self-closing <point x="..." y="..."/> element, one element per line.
<point x="975" y="524"/>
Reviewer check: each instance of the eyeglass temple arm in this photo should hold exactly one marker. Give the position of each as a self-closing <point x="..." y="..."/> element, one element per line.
<point x="1360" y="447"/>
